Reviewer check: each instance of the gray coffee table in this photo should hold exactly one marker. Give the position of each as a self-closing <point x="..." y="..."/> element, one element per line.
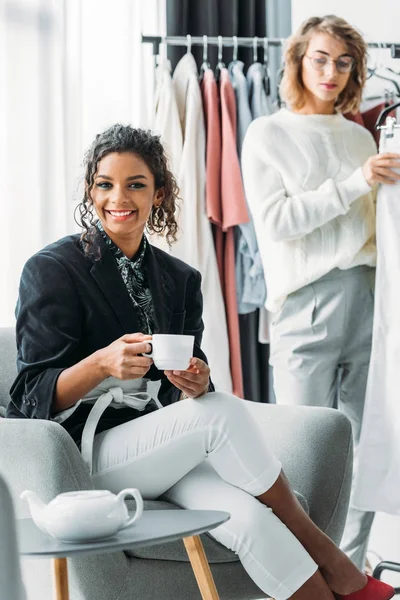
<point x="154" y="527"/>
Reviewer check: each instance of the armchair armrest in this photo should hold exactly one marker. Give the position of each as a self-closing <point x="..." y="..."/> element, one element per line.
<point x="316" y="450"/>
<point x="12" y="586"/>
<point x="41" y="456"/>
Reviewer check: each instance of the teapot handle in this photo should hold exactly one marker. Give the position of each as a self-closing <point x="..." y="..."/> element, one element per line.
<point x="136" y="495"/>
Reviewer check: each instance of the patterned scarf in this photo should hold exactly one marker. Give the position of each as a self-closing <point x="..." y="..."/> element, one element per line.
<point x="134" y="275"/>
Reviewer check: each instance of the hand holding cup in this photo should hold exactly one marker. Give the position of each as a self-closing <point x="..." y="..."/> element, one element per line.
<point x="173" y="354"/>
<point x="124" y="358"/>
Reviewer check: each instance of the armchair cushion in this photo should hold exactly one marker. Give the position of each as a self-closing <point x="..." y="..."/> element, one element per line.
<point x="315" y="448"/>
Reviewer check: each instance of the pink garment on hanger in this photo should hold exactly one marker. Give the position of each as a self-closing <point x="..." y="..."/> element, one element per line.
<point x="234" y="207"/>
<point x="209" y="92"/>
<point x="222" y="161"/>
<point x="234" y="212"/>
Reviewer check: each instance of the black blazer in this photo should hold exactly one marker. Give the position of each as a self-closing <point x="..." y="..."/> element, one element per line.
<point x="71" y="304"/>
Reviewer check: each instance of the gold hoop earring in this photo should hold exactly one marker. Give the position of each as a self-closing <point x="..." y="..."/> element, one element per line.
<point x="158" y="218"/>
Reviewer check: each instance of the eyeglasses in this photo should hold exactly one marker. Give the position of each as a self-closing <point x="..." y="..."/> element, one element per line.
<point x="319" y="61"/>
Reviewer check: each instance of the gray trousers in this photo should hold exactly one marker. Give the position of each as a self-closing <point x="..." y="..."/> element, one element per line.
<point x="320" y="351"/>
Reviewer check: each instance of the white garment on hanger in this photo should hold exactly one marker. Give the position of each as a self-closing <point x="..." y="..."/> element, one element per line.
<point x="180" y="122"/>
<point x="261" y="104"/>
<point x="167" y="122"/>
<point x="377" y="484"/>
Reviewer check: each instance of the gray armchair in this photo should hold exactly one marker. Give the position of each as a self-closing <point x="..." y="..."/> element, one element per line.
<point x="11" y="582"/>
<point x="314" y="445"/>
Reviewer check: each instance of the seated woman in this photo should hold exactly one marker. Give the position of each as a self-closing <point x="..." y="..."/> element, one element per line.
<point x="87" y="307"/>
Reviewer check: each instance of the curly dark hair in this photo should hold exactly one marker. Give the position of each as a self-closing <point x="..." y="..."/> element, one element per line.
<point x="124" y="138"/>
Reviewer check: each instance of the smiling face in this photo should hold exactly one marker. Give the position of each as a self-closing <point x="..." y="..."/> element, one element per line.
<point x="123" y="195"/>
<point x="323" y="82"/>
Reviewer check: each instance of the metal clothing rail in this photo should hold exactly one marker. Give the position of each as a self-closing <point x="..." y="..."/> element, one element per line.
<point x="248" y="42"/>
<point x="209" y="40"/>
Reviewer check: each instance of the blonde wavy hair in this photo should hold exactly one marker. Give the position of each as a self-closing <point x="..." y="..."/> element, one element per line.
<point x="292" y="87"/>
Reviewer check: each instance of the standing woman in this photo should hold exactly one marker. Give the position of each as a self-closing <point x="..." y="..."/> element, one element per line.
<point x="310" y="178"/>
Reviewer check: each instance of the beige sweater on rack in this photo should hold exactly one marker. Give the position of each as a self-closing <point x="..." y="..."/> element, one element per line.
<point x="313" y="210"/>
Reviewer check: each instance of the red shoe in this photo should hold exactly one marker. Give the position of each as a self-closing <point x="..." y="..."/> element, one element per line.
<point x="374" y="590"/>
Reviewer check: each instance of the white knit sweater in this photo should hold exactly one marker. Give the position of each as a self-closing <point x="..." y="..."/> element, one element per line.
<point x="312" y="208"/>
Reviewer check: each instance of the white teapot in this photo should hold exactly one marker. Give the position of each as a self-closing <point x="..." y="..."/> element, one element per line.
<point x="84" y="516"/>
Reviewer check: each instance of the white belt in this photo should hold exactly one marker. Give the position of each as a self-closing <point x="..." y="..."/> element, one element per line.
<point x="117" y="396"/>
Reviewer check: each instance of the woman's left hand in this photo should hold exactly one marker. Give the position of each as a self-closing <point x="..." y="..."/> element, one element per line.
<point x="194" y="381"/>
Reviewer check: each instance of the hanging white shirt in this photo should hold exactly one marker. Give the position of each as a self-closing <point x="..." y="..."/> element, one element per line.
<point x="378" y="479"/>
<point x="167" y="122"/>
<point x="180" y="122"/>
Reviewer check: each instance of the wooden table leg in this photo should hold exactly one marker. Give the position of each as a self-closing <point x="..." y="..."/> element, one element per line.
<point x="201" y="568"/>
<point x="61" y="578"/>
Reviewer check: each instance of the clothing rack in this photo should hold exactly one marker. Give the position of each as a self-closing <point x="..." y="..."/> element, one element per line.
<point x="233" y="41"/>
<point x="254" y="42"/>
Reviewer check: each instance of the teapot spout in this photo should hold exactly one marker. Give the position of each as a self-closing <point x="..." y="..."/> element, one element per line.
<point x="37" y="508"/>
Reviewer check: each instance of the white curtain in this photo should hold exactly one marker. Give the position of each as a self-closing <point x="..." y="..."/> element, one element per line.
<point x="68" y="69"/>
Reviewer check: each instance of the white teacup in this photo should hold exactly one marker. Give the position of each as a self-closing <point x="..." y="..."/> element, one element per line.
<point x="171" y="352"/>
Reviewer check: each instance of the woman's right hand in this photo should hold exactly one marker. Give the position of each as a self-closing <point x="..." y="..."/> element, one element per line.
<point x="380" y="168"/>
<point x="122" y="359"/>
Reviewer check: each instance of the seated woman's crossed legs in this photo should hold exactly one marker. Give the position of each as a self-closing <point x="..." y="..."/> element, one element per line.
<point x="209" y="453"/>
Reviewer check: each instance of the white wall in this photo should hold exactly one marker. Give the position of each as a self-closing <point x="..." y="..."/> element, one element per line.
<point x="68" y="69"/>
<point x="378" y="22"/>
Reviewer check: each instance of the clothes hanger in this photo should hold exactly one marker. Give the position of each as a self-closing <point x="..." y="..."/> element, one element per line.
<point x="279" y="74"/>
<point x="234" y="61"/>
<point x="393" y="81"/>
<point x="390" y="122"/>
<point x="386" y="67"/>
<point x="392" y="71"/>
<point x="373" y="73"/>
<point x="188" y="44"/>
<point x="235" y="49"/>
<point x="387" y="96"/>
<point x="385" y="112"/>
<point x="205" y="64"/>
<point x="371" y="70"/>
<point x="267" y="79"/>
<point x="221" y="64"/>
<point x="255" y="49"/>
<point x="161" y="57"/>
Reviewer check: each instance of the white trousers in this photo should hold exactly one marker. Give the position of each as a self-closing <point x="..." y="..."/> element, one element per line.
<point x="209" y="453"/>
